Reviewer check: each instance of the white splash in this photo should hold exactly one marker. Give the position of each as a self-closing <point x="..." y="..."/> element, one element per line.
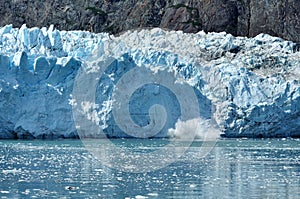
<point x="197" y="128"/>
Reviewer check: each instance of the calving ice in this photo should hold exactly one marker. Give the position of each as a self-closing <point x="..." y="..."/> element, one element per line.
<point x="148" y="79"/>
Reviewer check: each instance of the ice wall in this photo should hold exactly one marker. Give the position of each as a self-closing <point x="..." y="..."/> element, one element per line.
<point x="249" y="86"/>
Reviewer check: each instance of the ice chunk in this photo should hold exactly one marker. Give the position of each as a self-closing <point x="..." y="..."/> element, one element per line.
<point x="20" y="60"/>
<point x="6" y="29"/>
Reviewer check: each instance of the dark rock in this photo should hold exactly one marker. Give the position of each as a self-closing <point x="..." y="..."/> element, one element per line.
<point x="238" y="17"/>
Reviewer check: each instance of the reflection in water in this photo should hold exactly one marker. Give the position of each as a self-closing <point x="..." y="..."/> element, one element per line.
<point x="233" y="169"/>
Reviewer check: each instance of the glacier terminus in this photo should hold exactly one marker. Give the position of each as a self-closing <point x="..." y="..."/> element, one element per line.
<point x="250" y="87"/>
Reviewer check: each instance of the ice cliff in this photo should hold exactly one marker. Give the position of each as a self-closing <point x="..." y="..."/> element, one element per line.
<point x="249" y="86"/>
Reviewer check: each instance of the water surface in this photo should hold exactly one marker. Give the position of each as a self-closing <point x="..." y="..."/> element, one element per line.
<point x="235" y="168"/>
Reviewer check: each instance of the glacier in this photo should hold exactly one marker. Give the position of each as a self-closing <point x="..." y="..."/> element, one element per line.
<point x="250" y="87"/>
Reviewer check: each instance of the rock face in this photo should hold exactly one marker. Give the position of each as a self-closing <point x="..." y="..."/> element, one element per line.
<point x="249" y="86"/>
<point x="239" y="17"/>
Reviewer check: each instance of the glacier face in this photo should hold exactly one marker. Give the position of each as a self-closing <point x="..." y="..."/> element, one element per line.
<point x="249" y="86"/>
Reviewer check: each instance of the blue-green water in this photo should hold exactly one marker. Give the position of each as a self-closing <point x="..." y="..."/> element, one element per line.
<point x="234" y="169"/>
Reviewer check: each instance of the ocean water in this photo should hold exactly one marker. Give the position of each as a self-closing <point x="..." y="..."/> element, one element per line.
<point x="235" y="168"/>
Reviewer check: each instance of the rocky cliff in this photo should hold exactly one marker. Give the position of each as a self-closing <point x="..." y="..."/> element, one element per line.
<point x="238" y="17"/>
